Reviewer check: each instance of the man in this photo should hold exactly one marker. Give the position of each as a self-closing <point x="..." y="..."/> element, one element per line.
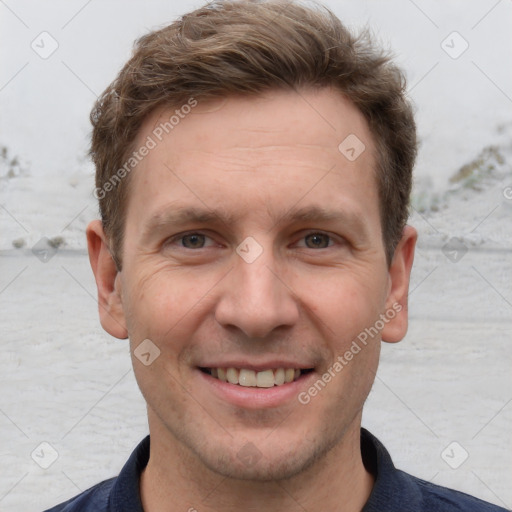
<point x="254" y="166"/>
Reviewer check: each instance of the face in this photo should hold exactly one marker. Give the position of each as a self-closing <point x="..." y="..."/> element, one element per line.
<point x="254" y="244"/>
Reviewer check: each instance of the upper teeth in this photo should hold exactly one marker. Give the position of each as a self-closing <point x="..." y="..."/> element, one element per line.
<point x="250" y="378"/>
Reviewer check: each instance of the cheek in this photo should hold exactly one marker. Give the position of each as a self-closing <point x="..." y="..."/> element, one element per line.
<point x="162" y="303"/>
<point x="343" y="303"/>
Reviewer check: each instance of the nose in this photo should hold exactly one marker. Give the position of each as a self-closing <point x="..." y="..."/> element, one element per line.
<point x="256" y="298"/>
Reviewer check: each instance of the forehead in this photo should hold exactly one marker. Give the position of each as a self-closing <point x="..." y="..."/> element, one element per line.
<point x="295" y="116"/>
<point x="272" y="147"/>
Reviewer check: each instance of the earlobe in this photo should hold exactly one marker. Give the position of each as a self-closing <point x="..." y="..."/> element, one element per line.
<point x="108" y="282"/>
<point x="399" y="276"/>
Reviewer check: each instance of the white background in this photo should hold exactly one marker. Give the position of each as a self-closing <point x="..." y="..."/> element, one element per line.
<point x="66" y="382"/>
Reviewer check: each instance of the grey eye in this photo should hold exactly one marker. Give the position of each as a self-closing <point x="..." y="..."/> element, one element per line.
<point x="193" y="241"/>
<point x="317" y="241"/>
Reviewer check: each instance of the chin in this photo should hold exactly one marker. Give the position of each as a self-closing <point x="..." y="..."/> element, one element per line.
<point x="270" y="464"/>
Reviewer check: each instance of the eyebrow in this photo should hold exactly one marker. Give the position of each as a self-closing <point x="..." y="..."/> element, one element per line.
<point x="317" y="213"/>
<point x="172" y="216"/>
<point x="178" y="216"/>
<point x="352" y="220"/>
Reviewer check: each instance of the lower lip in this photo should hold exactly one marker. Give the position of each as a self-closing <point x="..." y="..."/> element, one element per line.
<point x="256" y="398"/>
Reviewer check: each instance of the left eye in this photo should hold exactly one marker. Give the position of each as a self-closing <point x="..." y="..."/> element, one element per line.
<point x="317" y="241"/>
<point x="193" y="241"/>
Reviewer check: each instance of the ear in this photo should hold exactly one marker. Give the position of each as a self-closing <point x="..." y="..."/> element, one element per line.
<point x="399" y="275"/>
<point x="108" y="281"/>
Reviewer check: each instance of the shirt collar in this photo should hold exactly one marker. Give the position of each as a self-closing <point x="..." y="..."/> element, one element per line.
<point x="125" y="495"/>
<point x="393" y="489"/>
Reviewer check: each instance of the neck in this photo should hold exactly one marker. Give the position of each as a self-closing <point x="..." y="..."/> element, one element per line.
<point x="174" y="479"/>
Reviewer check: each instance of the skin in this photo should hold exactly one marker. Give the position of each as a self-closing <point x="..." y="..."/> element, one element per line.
<point x="304" y="300"/>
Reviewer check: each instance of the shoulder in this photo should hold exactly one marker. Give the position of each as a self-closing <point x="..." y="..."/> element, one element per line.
<point x="95" y="499"/>
<point x="441" y="499"/>
<point x="397" y="491"/>
<point x="114" y="494"/>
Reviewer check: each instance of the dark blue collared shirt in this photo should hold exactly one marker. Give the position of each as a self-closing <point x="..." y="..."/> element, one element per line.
<point x="394" y="490"/>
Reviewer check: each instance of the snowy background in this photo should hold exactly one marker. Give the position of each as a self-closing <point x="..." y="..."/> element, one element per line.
<point x="442" y="401"/>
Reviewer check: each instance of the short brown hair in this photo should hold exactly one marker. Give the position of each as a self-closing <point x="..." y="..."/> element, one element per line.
<point x="235" y="47"/>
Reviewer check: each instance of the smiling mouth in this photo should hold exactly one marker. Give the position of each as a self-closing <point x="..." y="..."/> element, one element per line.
<point x="250" y="378"/>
